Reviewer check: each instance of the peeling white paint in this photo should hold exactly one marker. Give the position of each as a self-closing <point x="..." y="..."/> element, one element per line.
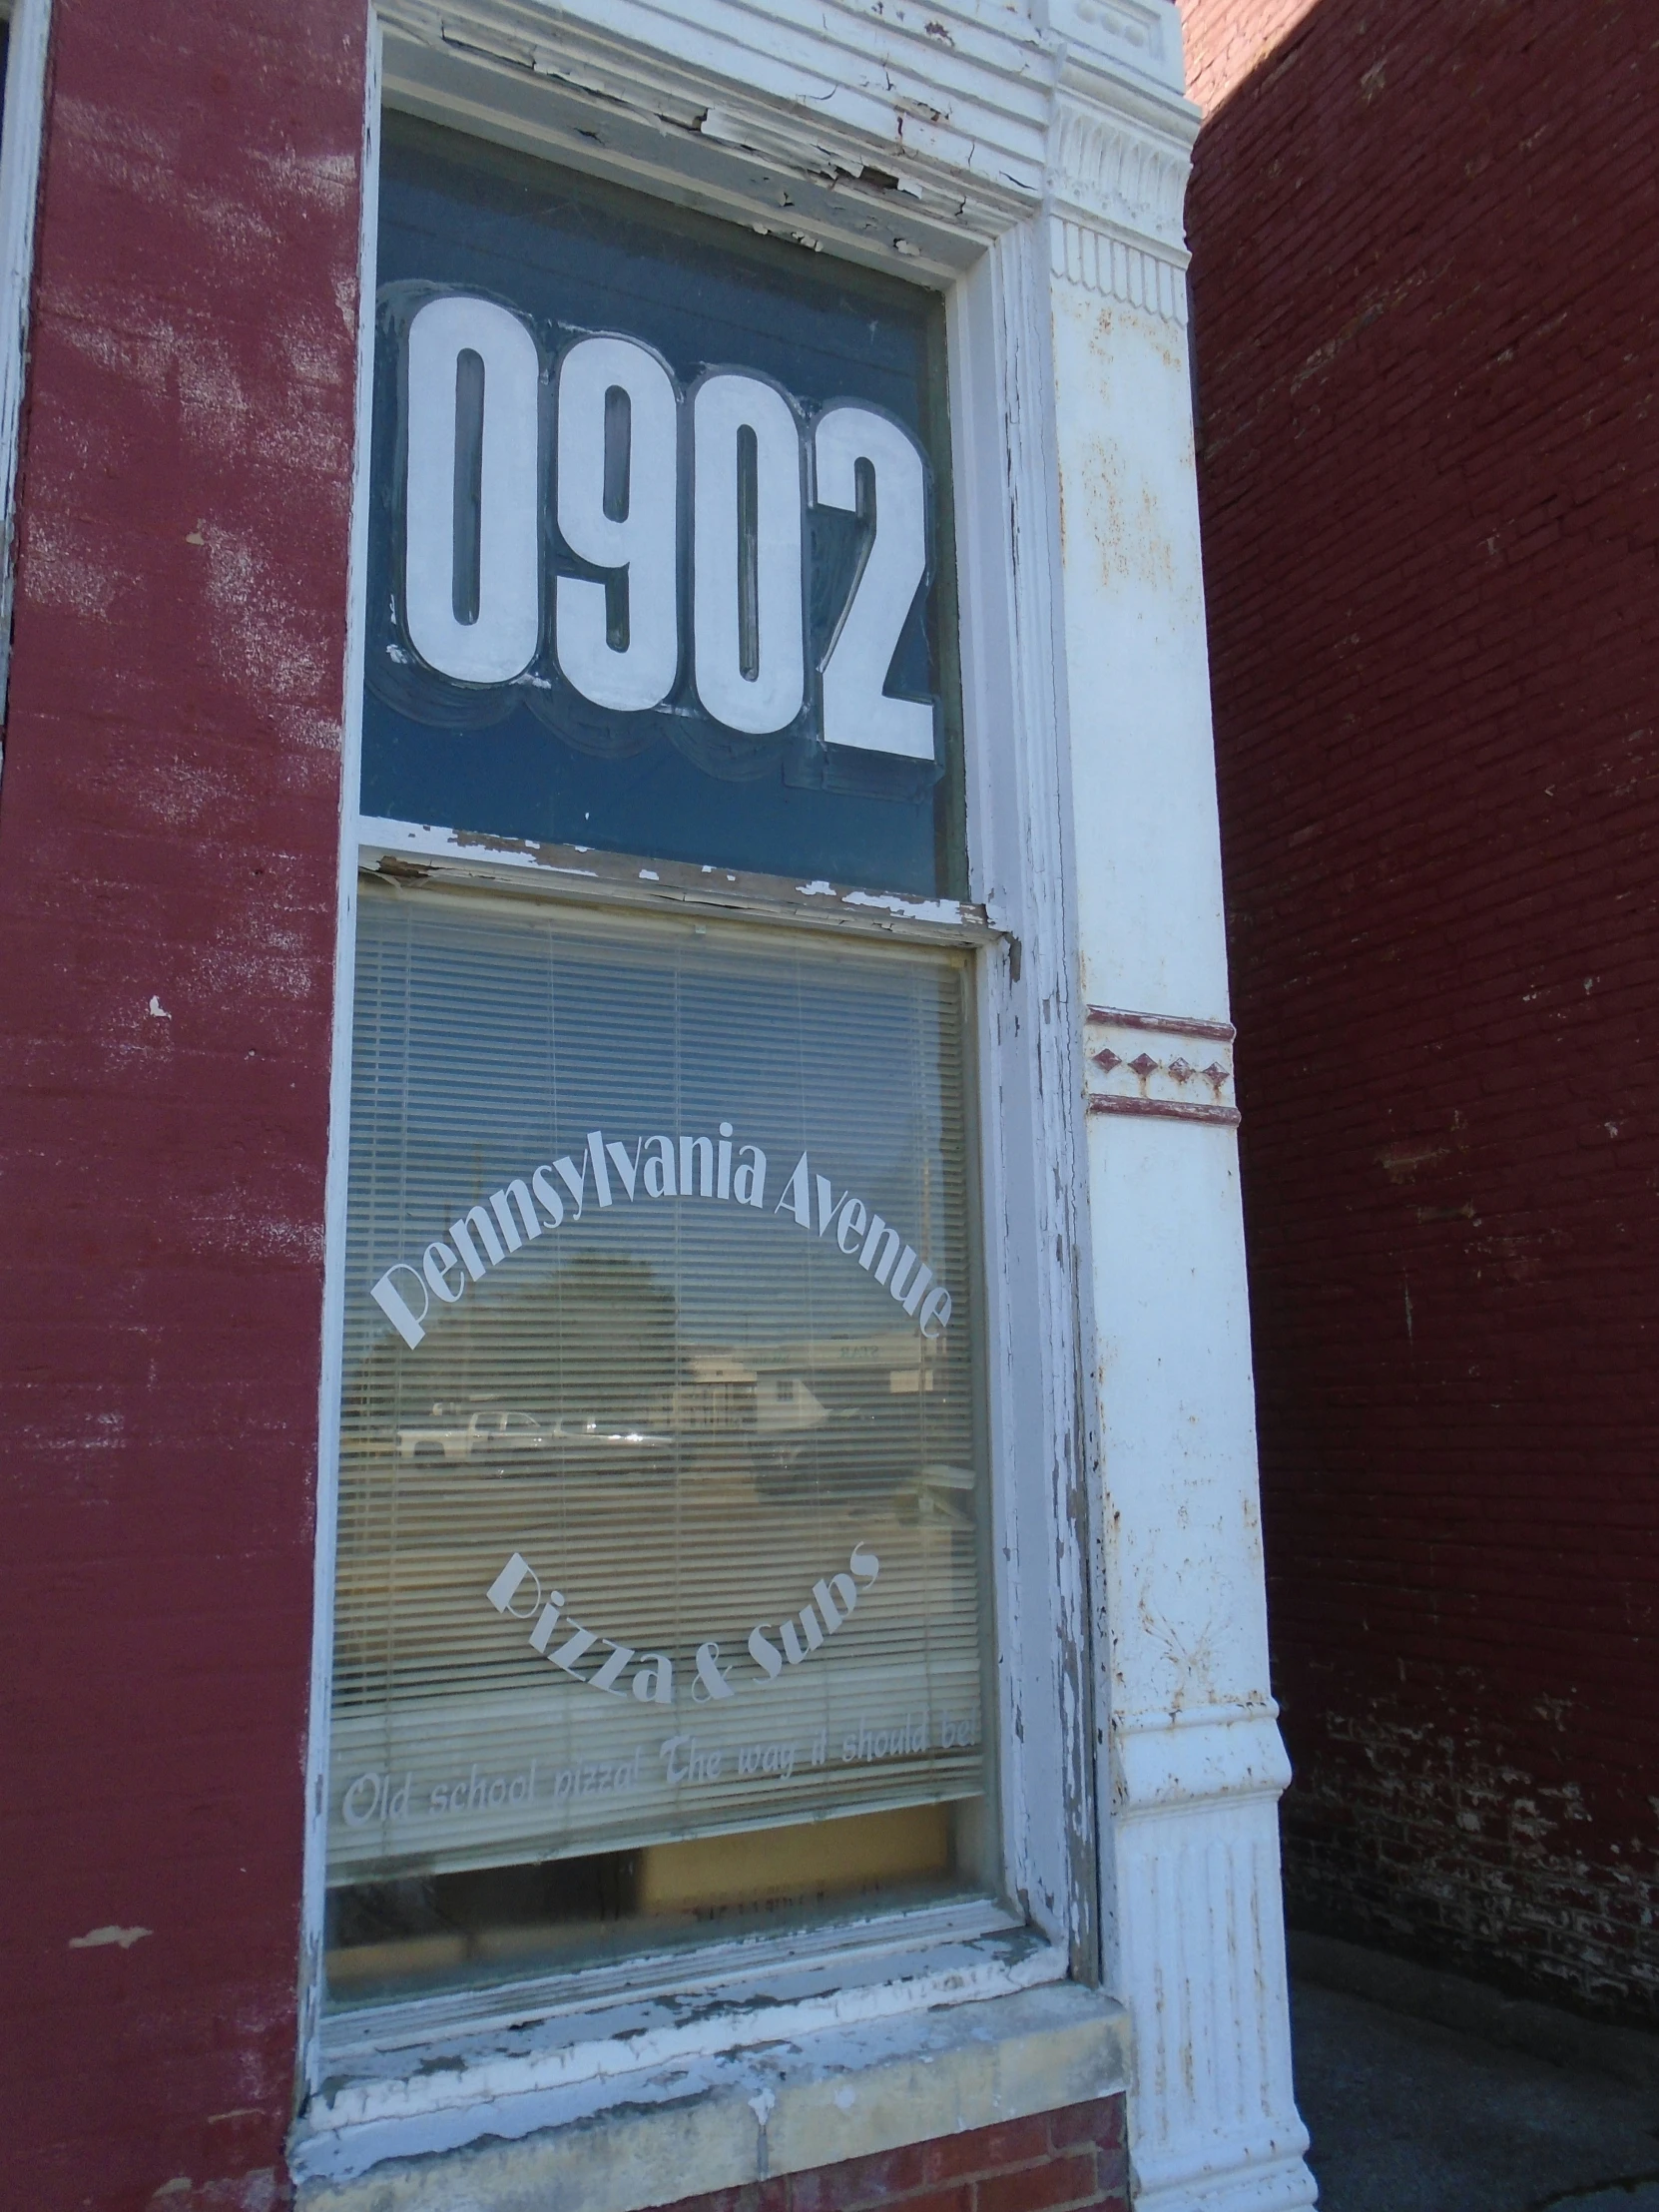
<point x="96" y="1938"/>
<point x="632" y="2037"/>
<point x="912" y="910"/>
<point x="804" y="2096"/>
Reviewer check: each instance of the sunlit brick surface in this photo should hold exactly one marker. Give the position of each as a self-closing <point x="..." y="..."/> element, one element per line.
<point x="169" y="841"/>
<point x="1066" y="2161"/>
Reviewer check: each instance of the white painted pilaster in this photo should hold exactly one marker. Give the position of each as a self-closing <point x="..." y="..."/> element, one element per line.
<point x="1192" y="1763"/>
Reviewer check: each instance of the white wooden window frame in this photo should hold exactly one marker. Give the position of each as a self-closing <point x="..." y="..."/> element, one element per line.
<point x="21" y="127"/>
<point x="1031" y="168"/>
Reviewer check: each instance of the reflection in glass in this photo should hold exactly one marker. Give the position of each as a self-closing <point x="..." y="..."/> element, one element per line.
<point x="660" y="1590"/>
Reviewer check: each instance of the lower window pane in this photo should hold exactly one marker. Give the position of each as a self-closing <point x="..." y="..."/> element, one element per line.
<point x="660" y="1597"/>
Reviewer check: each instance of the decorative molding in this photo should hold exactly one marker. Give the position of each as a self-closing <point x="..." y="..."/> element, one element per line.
<point x="1198" y="1754"/>
<point x="1119" y="156"/>
<point x="1170" y="1025"/>
<point x="1096" y="261"/>
<point x="1125" y="173"/>
<point x="907" y="136"/>
<point x="1223" y="1117"/>
<point x="1213" y="2120"/>
<point x="1139" y="35"/>
<point x="1188" y="1079"/>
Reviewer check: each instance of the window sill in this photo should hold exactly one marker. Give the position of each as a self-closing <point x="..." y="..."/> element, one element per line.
<point x="654" y="2099"/>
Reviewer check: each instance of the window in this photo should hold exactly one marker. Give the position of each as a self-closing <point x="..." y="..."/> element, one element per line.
<point x="642" y="670"/>
<point x="662" y="1598"/>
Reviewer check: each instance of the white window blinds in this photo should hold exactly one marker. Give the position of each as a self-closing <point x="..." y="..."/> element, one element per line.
<point x="660" y="1493"/>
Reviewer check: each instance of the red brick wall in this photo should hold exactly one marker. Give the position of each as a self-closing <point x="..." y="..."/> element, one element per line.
<point x="168" y="836"/>
<point x="1426" y="286"/>
<point x="1066" y="2161"/>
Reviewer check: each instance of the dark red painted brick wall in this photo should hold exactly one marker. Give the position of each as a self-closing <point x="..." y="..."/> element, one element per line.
<point x="1426" y="284"/>
<point x="169" y="832"/>
<point x="1066" y="2161"/>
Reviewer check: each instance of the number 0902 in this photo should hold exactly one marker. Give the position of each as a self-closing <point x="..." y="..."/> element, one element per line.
<point x="473" y="530"/>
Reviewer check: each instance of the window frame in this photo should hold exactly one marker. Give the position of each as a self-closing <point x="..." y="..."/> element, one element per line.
<point x="1028" y="1112"/>
<point x="29" y="25"/>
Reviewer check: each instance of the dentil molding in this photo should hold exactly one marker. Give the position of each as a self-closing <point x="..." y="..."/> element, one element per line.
<point x="1096" y="261"/>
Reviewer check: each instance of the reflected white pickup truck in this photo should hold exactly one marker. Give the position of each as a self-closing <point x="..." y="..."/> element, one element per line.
<point x="476" y="1437"/>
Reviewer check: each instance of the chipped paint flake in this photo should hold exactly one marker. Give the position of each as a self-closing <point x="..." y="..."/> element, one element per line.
<point x="96" y="1938"/>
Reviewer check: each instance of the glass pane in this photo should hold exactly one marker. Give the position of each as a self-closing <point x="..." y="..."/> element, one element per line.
<point x="660" y="1589"/>
<point x="649" y="759"/>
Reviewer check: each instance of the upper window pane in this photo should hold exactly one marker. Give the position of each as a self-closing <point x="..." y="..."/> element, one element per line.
<point x="661" y="542"/>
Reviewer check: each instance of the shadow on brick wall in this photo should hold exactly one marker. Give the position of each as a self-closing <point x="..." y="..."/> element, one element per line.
<point x="1426" y="248"/>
